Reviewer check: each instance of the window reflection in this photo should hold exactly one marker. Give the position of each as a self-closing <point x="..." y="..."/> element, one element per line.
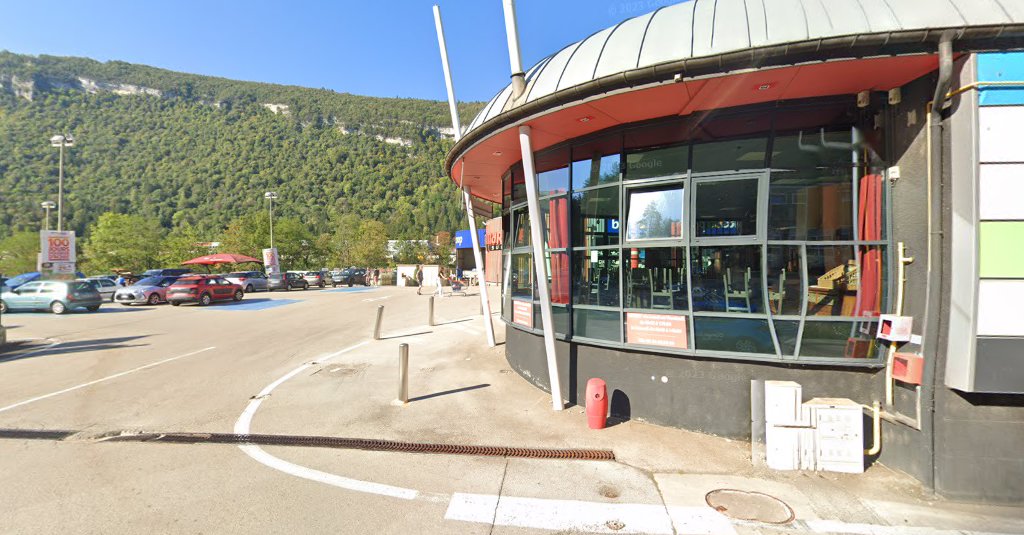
<point x="599" y="324"/>
<point x="658" y="162"/>
<point x="727" y="279"/>
<point x="813" y="148"/>
<point x="839" y="339"/>
<point x="726" y="208"/>
<point x="522" y="228"/>
<point x="555" y="213"/>
<point x="596" y="277"/>
<point x="595" y="171"/>
<point x="596" y="217"/>
<point x="810" y="205"/>
<point x="655" y="213"/>
<point x="735" y="335"/>
<point x="521" y="276"/>
<point x="731" y="155"/>
<point x="787" y="333"/>
<point x="558" y="272"/>
<point x="833" y="279"/>
<point x="656" y="278"/>
<point x="785" y="289"/>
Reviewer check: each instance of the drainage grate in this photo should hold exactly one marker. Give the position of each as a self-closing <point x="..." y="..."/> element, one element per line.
<point x="751" y="506"/>
<point x="370" y="445"/>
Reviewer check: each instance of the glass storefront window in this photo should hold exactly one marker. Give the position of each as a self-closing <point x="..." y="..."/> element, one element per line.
<point x="521" y="219"/>
<point x="785" y="288"/>
<point x="595" y="217"/>
<point x="727" y="279"/>
<point x="596" y="277"/>
<point x="653" y="163"/>
<point x="598" y="324"/>
<point x="809" y="149"/>
<point x="558" y="270"/>
<point x="555" y="213"/>
<point x="833" y="280"/>
<point x="730" y="155"/>
<point x="725" y="207"/>
<point x="518" y="184"/>
<point x="655" y="213"/>
<point x="656" y="278"/>
<point x="810" y="205"/>
<point x="554" y="181"/>
<point x="787" y="333"/>
<point x="839" y="339"/>
<point x="520" y="284"/>
<point x="735" y="335"/>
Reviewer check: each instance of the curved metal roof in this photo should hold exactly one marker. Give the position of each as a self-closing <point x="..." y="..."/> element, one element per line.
<point x="708" y="28"/>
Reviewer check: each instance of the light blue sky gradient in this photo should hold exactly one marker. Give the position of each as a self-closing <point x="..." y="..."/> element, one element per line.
<point x="384" y="48"/>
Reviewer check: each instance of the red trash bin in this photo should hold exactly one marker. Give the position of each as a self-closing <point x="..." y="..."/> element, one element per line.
<point x="597" y="403"/>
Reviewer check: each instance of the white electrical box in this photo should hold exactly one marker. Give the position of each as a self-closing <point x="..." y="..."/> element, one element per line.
<point x="895" y="328"/>
<point x="782" y="401"/>
<point x="838" y="434"/>
<point x="782" y="447"/>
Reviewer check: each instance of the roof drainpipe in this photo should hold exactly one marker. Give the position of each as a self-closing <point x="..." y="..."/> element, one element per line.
<point x="515" y="59"/>
<point x="929" y="334"/>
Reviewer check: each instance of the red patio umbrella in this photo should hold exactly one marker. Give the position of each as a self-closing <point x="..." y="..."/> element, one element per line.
<point x="220" y="258"/>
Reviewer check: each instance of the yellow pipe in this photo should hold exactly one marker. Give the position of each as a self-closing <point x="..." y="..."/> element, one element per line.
<point x="901" y="281"/>
<point x="981" y="85"/>
<point x="876" y="429"/>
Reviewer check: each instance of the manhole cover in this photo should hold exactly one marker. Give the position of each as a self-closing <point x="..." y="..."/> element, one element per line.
<point x="752" y="506"/>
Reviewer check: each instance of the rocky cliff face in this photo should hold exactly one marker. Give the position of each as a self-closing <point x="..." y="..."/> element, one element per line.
<point x="27" y="88"/>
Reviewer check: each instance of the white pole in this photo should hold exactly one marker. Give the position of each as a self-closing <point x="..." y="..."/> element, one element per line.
<point x="60" y="188"/>
<point x="515" y="59"/>
<point x="457" y="127"/>
<point x="540" y="265"/>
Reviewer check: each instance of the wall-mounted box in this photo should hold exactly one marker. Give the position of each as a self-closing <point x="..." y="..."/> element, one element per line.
<point x="838" y="435"/>
<point x="782" y="401"/>
<point x="908" y="368"/>
<point x="895" y="328"/>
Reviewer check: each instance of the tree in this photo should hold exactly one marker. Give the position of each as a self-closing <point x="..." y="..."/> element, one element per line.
<point x="370" y="247"/>
<point x="412" y="252"/>
<point x="18" y="253"/>
<point x="180" y="245"/>
<point x="119" y="241"/>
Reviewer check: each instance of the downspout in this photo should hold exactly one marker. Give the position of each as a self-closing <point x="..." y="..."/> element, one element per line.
<point x="515" y="58"/>
<point x="929" y="332"/>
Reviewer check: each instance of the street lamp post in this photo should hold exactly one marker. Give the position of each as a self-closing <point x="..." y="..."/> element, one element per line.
<point x="61" y="140"/>
<point x="47" y="206"/>
<point x="270" y="195"/>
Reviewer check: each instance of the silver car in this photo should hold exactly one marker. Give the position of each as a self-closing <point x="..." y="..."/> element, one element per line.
<point x="150" y="290"/>
<point x="105" y="286"/>
<point x="250" y="281"/>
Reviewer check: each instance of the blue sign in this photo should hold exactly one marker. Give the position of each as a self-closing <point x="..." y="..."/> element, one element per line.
<point x="612" y="226"/>
<point x="464" y="240"/>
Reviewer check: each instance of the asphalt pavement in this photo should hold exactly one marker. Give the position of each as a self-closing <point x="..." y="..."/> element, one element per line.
<point x="90" y="403"/>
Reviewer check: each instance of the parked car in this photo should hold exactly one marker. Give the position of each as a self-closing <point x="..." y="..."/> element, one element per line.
<point x="252" y="281"/>
<point x="203" y="289"/>
<point x="104" y="286"/>
<point x="286" y="281"/>
<point x="56" y="296"/>
<point x="316" y="278"/>
<point x="351" y="276"/>
<point x="150" y="290"/>
<point x="168" y="272"/>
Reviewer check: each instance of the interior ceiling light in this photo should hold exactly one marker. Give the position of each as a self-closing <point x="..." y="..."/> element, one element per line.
<point x="496" y="153"/>
<point x="766" y="86"/>
<point x="585" y="119"/>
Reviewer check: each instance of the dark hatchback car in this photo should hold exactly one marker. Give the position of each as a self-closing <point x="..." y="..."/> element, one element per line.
<point x="350" y="276"/>
<point x="203" y="289"/>
<point x="286" y="281"/>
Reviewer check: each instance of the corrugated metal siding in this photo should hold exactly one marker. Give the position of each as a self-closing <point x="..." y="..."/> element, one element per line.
<point x="709" y="27"/>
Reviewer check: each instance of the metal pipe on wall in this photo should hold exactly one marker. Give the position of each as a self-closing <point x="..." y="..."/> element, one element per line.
<point x="457" y="127"/>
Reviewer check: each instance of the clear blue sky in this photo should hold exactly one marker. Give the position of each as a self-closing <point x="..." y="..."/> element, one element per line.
<point x="376" y="47"/>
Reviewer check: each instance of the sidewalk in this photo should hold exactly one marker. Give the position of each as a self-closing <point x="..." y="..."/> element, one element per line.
<point x="462" y="392"/>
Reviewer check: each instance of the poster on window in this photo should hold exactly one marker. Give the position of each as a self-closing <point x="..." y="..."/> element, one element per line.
<point x="522" y="313"/>
<point x="660" y="330"/>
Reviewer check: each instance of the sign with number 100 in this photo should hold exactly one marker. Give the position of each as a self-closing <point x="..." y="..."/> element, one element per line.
<point x="57" y="246"/>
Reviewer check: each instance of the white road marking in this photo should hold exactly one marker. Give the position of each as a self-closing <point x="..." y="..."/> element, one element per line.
<point x="590" y="517"/>
<point x="376" y="298"/>
<point x="244" y="423"/>
<point x="107" y="378"/>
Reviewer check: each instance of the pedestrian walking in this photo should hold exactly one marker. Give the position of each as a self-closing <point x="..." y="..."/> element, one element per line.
<point x="440" y="281"/>
<point x="419" y="279"/>
<point x="376" y="277"/>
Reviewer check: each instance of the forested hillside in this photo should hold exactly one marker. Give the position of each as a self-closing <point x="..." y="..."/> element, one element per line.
<point x="199" y="151"/>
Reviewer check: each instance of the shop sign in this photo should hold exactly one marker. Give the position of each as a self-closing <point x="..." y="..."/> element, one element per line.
<point x="522" y="313"/>
<point x="57" y="246"/>
<point x="661" y="330"/>
<point x="464" y="238"/>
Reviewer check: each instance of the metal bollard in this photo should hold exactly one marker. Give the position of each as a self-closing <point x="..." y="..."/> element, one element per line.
<point x="380" y="317"/>
<point x="403" y="373"/>
<point x="430" y="312"/>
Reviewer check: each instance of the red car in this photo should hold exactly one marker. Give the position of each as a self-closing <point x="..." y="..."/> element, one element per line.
<point x="203" y="289"/>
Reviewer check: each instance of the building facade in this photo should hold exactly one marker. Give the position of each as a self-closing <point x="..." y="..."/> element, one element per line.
<point x="743" y="199"/>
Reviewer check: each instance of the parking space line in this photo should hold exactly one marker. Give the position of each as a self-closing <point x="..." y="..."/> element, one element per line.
<point x="107" y="378"/>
